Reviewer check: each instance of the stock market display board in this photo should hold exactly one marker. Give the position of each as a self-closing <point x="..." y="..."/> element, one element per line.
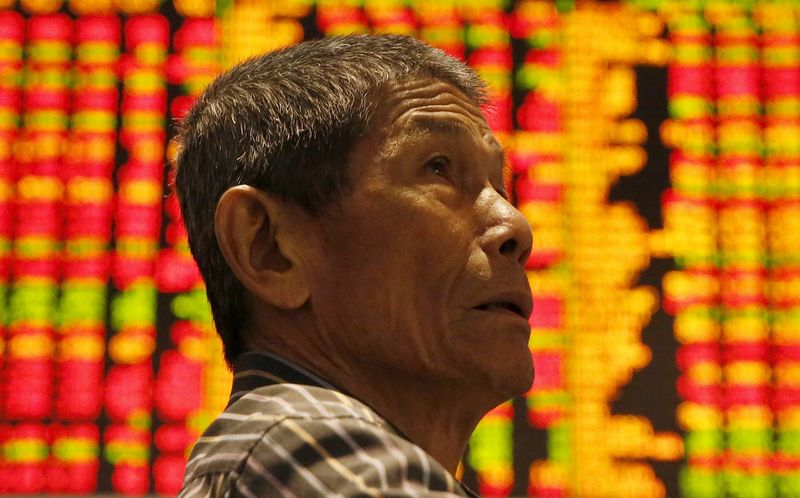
<point x="654" y="146"/>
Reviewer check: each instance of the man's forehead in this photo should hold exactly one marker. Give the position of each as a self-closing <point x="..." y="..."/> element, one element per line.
<point x="421" y="94"/>
<point x="434" y="106"/>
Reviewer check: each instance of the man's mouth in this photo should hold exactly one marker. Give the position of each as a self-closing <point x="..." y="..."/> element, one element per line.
<point x="501" y="306"/>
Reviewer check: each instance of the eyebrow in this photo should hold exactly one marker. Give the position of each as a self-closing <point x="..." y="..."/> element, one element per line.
<point x="450" y="127"/>
<point x="438" y="125"/>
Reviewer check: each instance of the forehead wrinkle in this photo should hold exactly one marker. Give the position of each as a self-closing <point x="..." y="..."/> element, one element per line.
<point x="443" y="101"/>
<point x="425" y="93"/>
<point x="439" y="115"/>
<point x="468" y="108"/>
<point x="428" y="86"/>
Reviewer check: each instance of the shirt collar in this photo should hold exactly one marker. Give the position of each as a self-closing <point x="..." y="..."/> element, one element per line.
<point x="255" y="369"/>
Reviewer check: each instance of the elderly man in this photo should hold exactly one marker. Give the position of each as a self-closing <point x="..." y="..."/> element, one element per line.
<point x="345" y="203"/>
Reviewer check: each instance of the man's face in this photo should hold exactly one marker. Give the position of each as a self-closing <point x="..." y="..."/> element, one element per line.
<point x="419" y="270"/>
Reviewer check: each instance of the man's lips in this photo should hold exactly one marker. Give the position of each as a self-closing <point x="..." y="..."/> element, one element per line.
<point x="518" y="303"/>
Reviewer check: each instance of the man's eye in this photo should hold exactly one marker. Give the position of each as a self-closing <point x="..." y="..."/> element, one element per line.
<point x="438" y="166"/>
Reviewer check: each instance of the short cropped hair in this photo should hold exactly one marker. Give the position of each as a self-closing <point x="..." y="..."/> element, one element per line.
<point x="285" y="122"/>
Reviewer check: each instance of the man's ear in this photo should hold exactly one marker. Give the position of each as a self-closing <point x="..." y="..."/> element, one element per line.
<point x="251" y="227"/>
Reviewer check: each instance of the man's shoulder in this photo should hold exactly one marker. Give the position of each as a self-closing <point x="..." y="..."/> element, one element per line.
<point x="230" y="439"/>
<point x="309" y="441"/>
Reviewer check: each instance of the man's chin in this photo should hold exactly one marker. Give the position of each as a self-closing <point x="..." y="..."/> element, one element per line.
<point x="502" y="366"/>
<point x="512" y="378"/>
<point x="519" y="385"/>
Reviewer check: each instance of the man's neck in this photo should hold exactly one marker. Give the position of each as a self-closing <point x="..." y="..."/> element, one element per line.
<point x="437" y="418"/>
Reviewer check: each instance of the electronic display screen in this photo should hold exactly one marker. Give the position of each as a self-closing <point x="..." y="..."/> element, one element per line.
<point x="654" y="146"/>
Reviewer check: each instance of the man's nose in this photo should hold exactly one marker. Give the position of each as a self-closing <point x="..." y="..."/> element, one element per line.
<point x="508" y="233"/>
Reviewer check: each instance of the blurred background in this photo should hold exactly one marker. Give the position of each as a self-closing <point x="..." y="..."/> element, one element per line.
<point x="654" y="145"/>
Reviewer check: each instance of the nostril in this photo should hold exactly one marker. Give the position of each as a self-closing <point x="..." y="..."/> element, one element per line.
<point x="508" y="247"/>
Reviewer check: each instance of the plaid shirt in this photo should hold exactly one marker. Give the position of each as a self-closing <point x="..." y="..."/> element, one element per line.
<point x="286" y="432"/>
